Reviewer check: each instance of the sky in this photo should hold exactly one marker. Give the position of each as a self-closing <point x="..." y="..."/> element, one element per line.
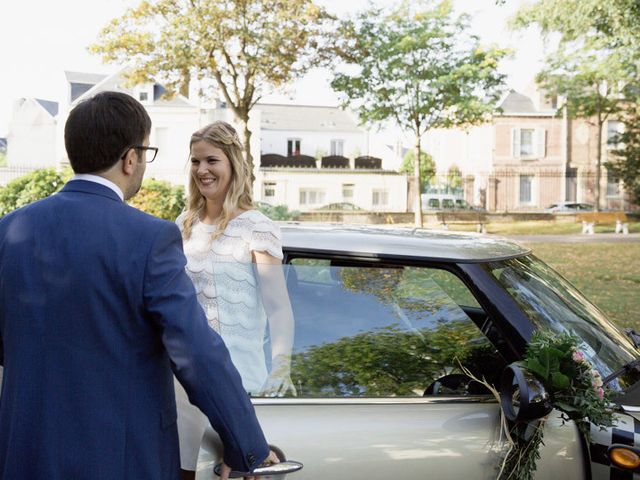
<point x="40" y="39"/>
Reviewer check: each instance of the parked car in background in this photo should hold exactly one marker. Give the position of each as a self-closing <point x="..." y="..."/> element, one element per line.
<point x="439" y="201"/>
<point x="569" y="207"/>
<point x="385" y="319"/>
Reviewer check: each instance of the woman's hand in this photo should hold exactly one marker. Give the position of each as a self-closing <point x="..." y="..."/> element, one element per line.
<point x="278" y="383"/>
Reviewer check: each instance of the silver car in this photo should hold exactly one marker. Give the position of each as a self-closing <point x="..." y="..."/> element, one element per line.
<point x="384" y="320"/>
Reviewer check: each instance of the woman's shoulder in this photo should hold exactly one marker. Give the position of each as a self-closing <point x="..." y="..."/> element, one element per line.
<point x="256" y="220"/>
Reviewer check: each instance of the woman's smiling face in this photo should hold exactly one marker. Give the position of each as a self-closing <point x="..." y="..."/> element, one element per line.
<point x="211" y="170"/>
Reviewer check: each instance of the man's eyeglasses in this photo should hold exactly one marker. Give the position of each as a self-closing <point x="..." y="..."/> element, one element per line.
<point x="142" y="147"/>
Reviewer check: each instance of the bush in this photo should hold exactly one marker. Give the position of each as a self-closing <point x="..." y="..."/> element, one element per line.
<point x="160" y="198"/>
<point x="279" y="212"/>
<point x="33" y="186"/>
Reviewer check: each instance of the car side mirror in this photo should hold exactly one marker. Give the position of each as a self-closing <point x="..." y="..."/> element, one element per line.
<point x="522" y="396"/>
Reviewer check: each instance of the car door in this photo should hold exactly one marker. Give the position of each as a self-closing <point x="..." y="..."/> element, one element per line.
<point x="377" y="363"/>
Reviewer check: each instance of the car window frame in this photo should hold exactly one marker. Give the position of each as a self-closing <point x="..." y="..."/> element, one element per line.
<point x="498" y="337"/>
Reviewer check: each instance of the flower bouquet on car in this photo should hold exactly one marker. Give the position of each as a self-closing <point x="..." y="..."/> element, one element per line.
<point x="574" y="387"/>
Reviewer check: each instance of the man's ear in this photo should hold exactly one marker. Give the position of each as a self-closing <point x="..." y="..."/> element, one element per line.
<point x="128" y="160"/>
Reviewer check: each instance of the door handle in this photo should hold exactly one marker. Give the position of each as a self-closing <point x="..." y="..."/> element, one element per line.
<point x="282" y="468"/>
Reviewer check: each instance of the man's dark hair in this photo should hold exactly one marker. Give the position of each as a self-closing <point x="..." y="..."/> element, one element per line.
<point x="100" y="129"/>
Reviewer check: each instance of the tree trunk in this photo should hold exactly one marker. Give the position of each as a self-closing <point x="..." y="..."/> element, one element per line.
<point x="418" y="183"/>
<point x="246" y="140"/>
<point x="598" y="162"/>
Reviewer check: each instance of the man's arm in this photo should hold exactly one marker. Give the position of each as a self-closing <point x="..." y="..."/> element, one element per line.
<point x="200" y="360"/>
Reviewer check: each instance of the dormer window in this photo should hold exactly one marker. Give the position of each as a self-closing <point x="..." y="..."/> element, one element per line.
<point x="144" y="93"/>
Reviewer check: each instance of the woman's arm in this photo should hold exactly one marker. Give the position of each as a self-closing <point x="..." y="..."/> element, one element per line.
<point x="275" y="298"/>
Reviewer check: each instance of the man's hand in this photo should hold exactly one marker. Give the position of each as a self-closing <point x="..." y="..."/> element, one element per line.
<point x="271" y="459"/>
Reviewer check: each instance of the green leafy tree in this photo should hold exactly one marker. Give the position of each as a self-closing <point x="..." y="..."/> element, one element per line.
<point x="596" y="60"/>
<point x="31" y="187"/>
<point x="3" y="159"/>
<point x="239" y="46"/>
<point x="159" y="198"/>
<point x="427" y="166"/>
<point x="454" y="177"/>
<point x="278" y="212"/>
<point x="419" y="66"/>
<point x="626" y="166"/>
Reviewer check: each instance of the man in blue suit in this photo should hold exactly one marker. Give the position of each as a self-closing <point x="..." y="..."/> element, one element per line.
<point x="97" y="314"/>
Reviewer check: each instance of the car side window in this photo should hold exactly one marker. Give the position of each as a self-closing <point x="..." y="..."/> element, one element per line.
<point x="381" y="331"/>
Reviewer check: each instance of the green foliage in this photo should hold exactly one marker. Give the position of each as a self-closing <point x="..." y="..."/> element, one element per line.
<point x="3" y="159"/>
<point x="278" y="212"/>
<point x="596" y="63"/>
<point x="427" y="166"/>
<point x="417" y="65"/>
<point x="627" y="164"/>
<point x="454" y="177"/>
<point x="238" y="46"/>
<point x="31" y="187"/>
<point x="160" y="198"/>
<point x="575" y="388"/>
<point x="388" y="361"/>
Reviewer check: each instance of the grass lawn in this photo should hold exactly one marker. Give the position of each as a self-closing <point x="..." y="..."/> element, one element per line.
<point x="607" y="273"/>
<point x="540" y="227"/>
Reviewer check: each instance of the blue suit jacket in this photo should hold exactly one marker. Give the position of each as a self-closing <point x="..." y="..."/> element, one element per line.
<point x="96" y="312"/>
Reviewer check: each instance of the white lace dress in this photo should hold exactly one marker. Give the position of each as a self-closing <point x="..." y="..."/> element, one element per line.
<point x="225" y="280"/>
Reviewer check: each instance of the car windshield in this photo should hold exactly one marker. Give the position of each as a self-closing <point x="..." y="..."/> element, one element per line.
<point x="552" y="302"/>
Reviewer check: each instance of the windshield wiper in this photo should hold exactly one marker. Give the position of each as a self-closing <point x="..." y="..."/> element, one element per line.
<point x="627" y="367"/>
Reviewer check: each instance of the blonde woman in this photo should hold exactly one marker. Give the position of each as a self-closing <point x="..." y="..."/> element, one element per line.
<point x="233" y="255"/>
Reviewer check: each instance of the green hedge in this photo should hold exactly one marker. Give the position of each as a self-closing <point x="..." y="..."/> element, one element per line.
<point x="33" y="186"/>
<point x="160" y="198"/>
<point x="156" y="197"/>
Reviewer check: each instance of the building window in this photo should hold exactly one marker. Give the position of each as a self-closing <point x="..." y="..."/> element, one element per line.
<point x="379" y="197"/>
<point x="347" y="192"/>
<point x="337" y="147"/>
<point x="526" y="189"/>
<point x="528" y="143"/>
<point x="613" y="184"/>
<point x="143" y="96"/>
<point x="614" y="129"/>
<point x="293" y="146"/>
<point x="312" y="196"/>
<point x="268" y="191"/>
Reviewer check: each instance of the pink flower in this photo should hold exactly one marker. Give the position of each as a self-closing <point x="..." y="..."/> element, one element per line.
<point x="578" y="356"/>
<point x="600" y="392"/>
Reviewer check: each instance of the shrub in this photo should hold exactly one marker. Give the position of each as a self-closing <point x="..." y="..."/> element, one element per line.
<point x="160" y="198"/>
<point x="278" y="212"/>
<point x="33" y="186"/>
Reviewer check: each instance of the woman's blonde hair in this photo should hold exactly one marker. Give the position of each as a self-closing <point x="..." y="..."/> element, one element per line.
<point x="223" y="136"/>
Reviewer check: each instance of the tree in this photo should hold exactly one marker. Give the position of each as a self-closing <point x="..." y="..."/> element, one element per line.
<point x="240" y="46"/>
<point x="31" y="187"/>
<point x="419" y="66"/>
<point x="454" y="177"/>
<point x="160" y="198"/>
<point x="627" y="164"/>
<point x="427" y="167"/>
<point x="593" y="64"/>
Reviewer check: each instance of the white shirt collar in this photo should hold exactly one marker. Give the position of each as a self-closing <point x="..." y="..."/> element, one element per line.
<point x="101" y="180"/>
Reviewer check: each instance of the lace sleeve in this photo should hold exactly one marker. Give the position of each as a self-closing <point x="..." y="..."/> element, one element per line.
<point x="266" y="237"/>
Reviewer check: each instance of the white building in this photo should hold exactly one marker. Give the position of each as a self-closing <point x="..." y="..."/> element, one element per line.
<point x="36" y="140"/>
<point x="31" y="141"/>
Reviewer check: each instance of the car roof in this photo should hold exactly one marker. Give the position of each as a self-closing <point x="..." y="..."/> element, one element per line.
<point x="396" y="242"/>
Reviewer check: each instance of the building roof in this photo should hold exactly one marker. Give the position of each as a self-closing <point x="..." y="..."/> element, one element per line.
<point x="516" y="102"/>
<point x="49" y="106"/>
<point x="118" y="83"/>
<point x="85" y="78"/>
<point x="306" y="118"/>
<point x="381" y="242"/>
